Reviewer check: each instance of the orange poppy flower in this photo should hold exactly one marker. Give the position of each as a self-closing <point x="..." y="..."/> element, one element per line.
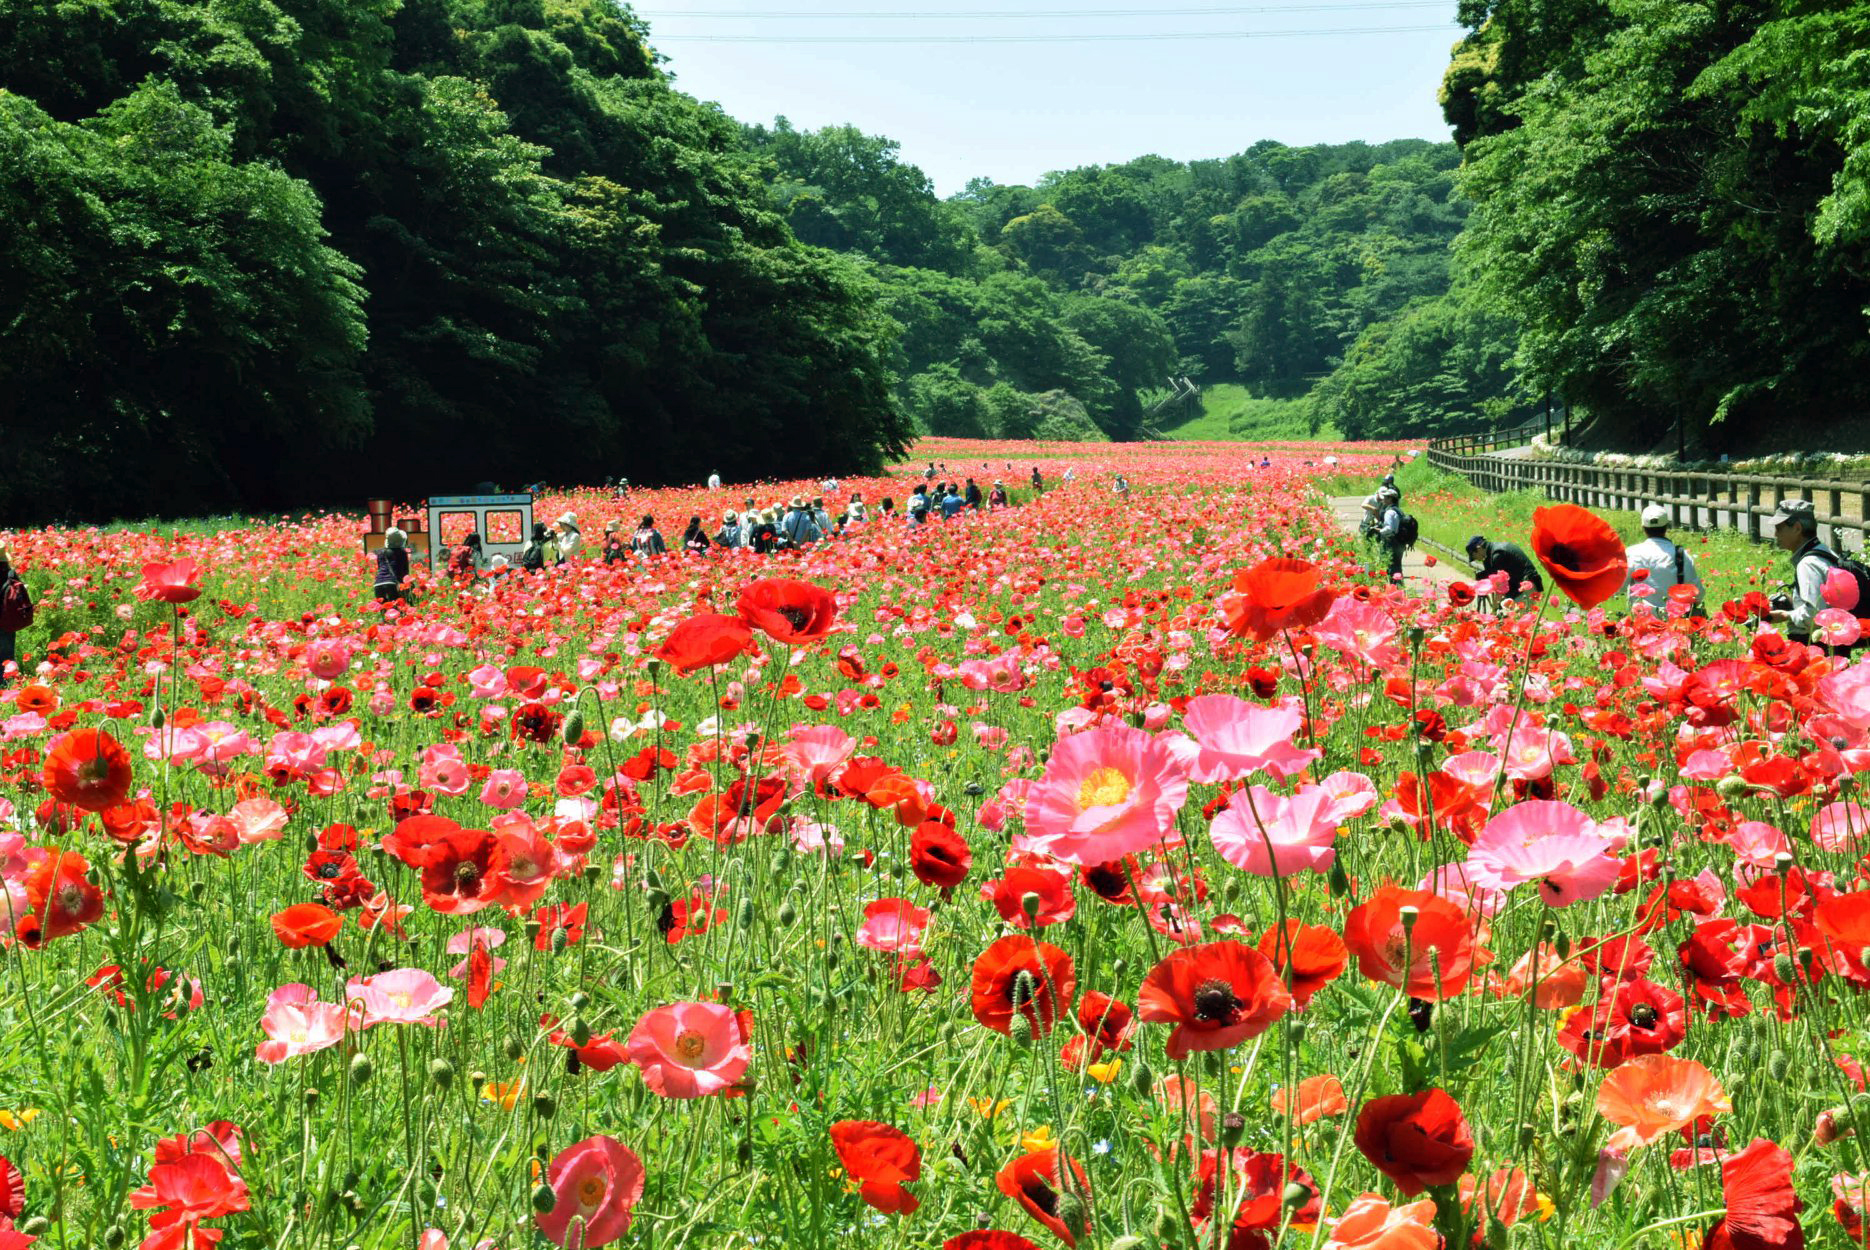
<point x="704" y="641"/>
<point x="1582" y="553"/>
<point x="1653" y="1095"/>
<point x="1317" y="1098"/>
<point x="1431" y="959"/>
<point x="1277" y="595"/>
<point x="1217" y="995"/>
<point x="88" y="769"/>
<point x="1317" y="954"/>
<point x="306" y="924"/>
<point x="880" y="1157"/>
<point x="40" y="699"/>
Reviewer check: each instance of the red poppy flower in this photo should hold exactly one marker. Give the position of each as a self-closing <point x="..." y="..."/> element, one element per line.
<point x="1217" y="995"/>
<point x="1274" y="596"/>
<point x="457" y="872"/>
<point x="1762" y="1207"/>
<point x="170" y="583"/>
<point x="1460" y="594"/>
<point x="987" y="1239"/>
<point x="552" y="918"/>
<point x="1416" y="1140"/>
<point x="306" y="924"/>
<point x="788" y="611"/>
<point x="1037" y="1182"/>
<point x="1111" y="882"/>
<point x="88" y="769"/>
<point x="12" y="1190"/>
<point x="62" y="902"/>
<point x="704" y="641"/>
<point x="1317" y="956"/>
<point x="535" y="722"/>
<point x="880" y="1157"/>
<point x="1020" y="976"/>
<point x="939" y="856"/>
<point x="1107" y="1021"/>
<point x="1630" y="1019"/>
<point x="1582" y="553"/>
<point x="480" y="977"/>
<point x="1430" y="959"/>
<point x="1259" y="1190"/>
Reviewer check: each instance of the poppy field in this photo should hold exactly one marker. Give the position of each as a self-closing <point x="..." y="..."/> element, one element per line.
<point x="1100" y="871"/>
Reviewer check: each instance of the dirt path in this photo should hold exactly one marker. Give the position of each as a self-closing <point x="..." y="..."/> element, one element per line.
<point x="1416" y="567"/>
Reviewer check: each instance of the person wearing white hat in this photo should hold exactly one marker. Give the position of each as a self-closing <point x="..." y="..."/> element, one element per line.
<point x="1665" y="563"/>
<point x="569" y="536"/>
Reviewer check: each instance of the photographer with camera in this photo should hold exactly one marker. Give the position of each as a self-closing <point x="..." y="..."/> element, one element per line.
<point x="1795" y="529"/>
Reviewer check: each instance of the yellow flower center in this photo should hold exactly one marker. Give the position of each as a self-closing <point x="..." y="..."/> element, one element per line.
<point x="689" y="1044"/>
<point x="1105" y="787"/>
<point x="591" y="1192"/>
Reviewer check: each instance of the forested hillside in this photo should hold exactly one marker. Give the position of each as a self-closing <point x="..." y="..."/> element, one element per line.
<point x="1061" y="306"/>
<point x="288" y="250"/>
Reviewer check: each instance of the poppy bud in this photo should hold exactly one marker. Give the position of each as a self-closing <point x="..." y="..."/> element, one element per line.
<point x="1233" y="1124"/>
<point x="788" y="914"/>
<point x="514" y="1049"/>
<point x="560" y="940"/>
<point x="1340" y="880"/>
<point x="1785" y="969"/>
<point x="1166" y="1226"/>
<point x="543" y="1199"/>
<point x="1030" y="903"/>
<point x="1142" y="1080"/>
<point x="1021" y="1032"/>
<point x="1831" y="1125"/>
<point x="653" y="664"/>
<point x="1118" y="967"/>
<point x="780" y="862"/>
<point x="1129" y="1241"/>
<point x="1731" y="787"/>
<point x="744" y="915"/>
<point x="1070" y="1211"/>
<point x="157" y="717"/>
<point x="579" y="1000"/>
<point x="311" y="844"/>
<point x="361" y="1069"/>
<point x="441" y="1072"/>
<point x="1295" y="1196"/>
<point x="573" y="728"/>
<point x="579" y="1030"/>
<point x="544" y="1106"/>
<point x="113" y="1236"/>
<point x="1416" y="635"/>
<point x="1778" y="1064"/>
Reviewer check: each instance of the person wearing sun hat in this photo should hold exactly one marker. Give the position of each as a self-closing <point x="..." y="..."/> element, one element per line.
<point x="1666" y="564"/>
<point x="1795" y="530"/>
<point x="569" y="535"/>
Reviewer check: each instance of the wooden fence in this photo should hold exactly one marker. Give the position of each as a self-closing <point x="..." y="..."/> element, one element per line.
<point x="1694" y="500"/>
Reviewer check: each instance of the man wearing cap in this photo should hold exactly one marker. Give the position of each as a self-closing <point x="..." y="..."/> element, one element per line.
<point x="1507" y="558"/>
<point x="1389" y="529"/>
<point x="1795" y="529"/>
<point x="1667" y="564"/>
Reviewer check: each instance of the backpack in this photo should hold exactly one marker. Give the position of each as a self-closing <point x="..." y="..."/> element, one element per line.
<point x="15" y="606"/>
<point x="1407" y="530"/>
<point x="532" y="557"/>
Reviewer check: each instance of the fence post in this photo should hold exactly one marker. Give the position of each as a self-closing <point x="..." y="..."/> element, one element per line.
<point x="1753" y="512"/>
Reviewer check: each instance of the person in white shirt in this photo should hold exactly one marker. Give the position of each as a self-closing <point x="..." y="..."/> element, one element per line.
<point x="714" y="481"/>
<point x="1795" y="530"/>
<point x="1667" y="563"/>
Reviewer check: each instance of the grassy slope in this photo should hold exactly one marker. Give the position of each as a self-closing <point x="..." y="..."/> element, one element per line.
<point x="1230" y="413"/>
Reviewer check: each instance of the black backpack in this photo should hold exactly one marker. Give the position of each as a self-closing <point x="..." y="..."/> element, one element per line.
<point x="532" y="556"/>
<point x="1407" y="531"/>
<point x="1858" y="571"/>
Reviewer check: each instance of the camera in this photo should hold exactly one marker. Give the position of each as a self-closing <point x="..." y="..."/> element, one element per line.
<point x="1781" y="603"/>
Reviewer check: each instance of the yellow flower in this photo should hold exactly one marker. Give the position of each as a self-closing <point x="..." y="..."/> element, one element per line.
<point x="1546" y="1208"/>
<point x="14" y="1121"/>
<point x="988" y="1107"/>
<point x="1038" y="1139"/>
<point x="503" y="1094"/>
<point x="1106" y="1072"/>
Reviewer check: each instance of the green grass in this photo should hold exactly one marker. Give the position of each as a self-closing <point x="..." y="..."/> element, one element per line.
<point x="1229" y="412"/>
<point x="1450" y="511"/>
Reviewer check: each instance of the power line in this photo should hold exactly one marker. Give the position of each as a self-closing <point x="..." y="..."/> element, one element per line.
<point x="976" y="14"/>
<point x="1257" y="10"/>
<point x="1129" y="38"/>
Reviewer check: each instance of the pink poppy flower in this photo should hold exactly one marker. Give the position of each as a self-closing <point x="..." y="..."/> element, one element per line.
<point x="818" y="751"/>
<point x="1268" y="835"/>
<point x="1106" y="793"/>
<point x="1836" y="827"/>
<point x="486" y="682"/>
<point x="470" y="939"/>
<point x="689" y="1050"/>
<point x="1371" y="1221"/>
<point x="1360" y="630"/>
<point x="296" y="1023"/>
<point x="505" y="789"/>
<point x="1238" y="738"/>
<point x="892" y="924"/>
<point x="400" y="996"/>
<point x="1834" y="627"/>
<point x="1839" y="590"/>
<point x="328" y="658"/>
<point x="258" y="820"/>
<point x="596" y="1184"/>
<point x="1551" y="843"/>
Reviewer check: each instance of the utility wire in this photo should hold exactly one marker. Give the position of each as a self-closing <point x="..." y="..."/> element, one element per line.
<point x="1449" y="27"/>
<point x="976" y="14"/>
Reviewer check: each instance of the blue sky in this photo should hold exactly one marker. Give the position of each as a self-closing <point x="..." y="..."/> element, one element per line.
<point x="1011" y="110"/>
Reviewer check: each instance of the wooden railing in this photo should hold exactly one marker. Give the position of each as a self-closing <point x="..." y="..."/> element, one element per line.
<point x="1493" y="440"/>
<point x="1694" y="500"/>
